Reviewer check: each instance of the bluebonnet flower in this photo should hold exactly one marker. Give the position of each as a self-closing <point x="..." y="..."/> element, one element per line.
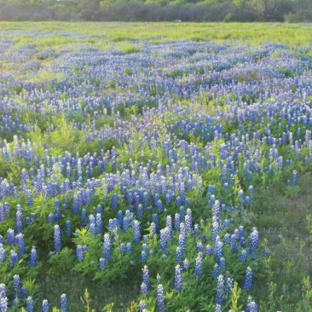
<point x="57" y="210"/>
<point x="229" y="285"/>
<point x="222" y="263"/>
<point x="220" y="290"/>
<point x="215" y="229"/>
<point x="212" y="200"/>
<point x="218" y="250"/>
<point x="120" y="218"/>
<point x="10" y="237"/>
<point x="91" y="224"/>
<point x="114" y="203"/>
<point x="106" y="247"/>
<point x="182" y="194"/>
<point x="227" y="239"/>
<point x="142" y="306"/>
<point x="145" y="278"/>
<point x="159" y="205"/>
<point x="186" y="264"/>
<point x="179" y="255"/>
<point x="199" y="246"/>
<point x="33" y="257"/>
<point x="144" y="256"/>
<point x="13" y="258"/>
<point x="3" y="299"/>
<point x="251" y="306"/>
<point x="99" y="209"/>
<point x="136" y="199"/>
<point x="128" y="248"/>
<point x="2" y="213"/>
<point x="294" y="177"/>
<point x="68" y="229"/>
<point x="155" y="221"/>
<point x="253" y="240"/>
<point x="136" y="231"/>
<point x="45" y="306"/>
<point x="20" y="242"/>
<point x="127" y="221"/>
<point x="16" y="286"/>
<point x="80" y="253"/>
<point x="198" y="265"/>
<point x="102" y="264"/>
<point x="241" y="196"/>
<point x="216" y="210"/>
<point x="164" y="240"/>
<point x="243" y="242"/>
<point x="83" y="218"/>
<point x="122" y="248"/>
<point x="208" y="250"/>
<point x="19" y="220"/>
<point x="226" y="187"/>
<point x="98" y="223"/>
<point x="143" y="288"/>
<point x="188" y="220"/>
<point x="169" y="224"/>
<point x="29" y="198"/>
<point x="30" y="304"/>
<point x="196" y="229"/>
<point x="168" y="198"/>
<point x="211" y="189"/>
<point x="241" y="231"/>
<point x="160" y="298"/>
<point x="216" y="271"/>
<point x="140" y="211"/>
<point x="77" y="203"/>
<point x="144" y="253"/>
<point x="25" y="178"/>
<point x="182" y="213"/>
<point x="177" y="221"/>
<point x="234" y="245"/>
<point x="2" y="254"/>
<point x="113" y="226"/>
<point x="153" y="230"/>
<point x="243" y="256"/>
<point x="178" y="281"/>
<point x="51" y="217"/>
<point x="248" y="279"/>
<point x="57" y="238"/>
<point x="247" y="201"/>
<point x="63" y="303"/>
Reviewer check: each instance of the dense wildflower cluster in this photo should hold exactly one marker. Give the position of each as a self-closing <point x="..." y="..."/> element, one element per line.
<point x="143" y="161"/>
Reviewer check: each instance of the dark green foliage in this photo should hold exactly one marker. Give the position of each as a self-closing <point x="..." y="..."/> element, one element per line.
<point x="158" y="10"/>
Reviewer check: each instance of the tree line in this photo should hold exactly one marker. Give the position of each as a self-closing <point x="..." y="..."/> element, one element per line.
<point x="158" y="10"/>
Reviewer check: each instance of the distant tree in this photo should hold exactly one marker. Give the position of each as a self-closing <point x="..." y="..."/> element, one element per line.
<point x="90" y="10"/>
<point x="265" y="9"/>
<point x="158" y="10"/>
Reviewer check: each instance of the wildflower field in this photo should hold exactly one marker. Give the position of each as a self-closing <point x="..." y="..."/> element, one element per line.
<point x="155" y="167"/>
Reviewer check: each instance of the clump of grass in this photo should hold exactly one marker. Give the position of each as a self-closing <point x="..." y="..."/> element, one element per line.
<point x="128" y="47"/>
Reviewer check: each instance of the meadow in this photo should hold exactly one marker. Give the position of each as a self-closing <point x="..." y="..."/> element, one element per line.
<point x="155" y="167"/>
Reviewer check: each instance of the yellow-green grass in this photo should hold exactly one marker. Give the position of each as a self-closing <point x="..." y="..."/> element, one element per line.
<point x="104" y="34"/>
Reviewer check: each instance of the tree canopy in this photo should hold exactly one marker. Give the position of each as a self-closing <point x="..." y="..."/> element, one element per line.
<point x="158" y="10"/>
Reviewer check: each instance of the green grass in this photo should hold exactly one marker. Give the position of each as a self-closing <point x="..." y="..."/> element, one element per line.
<point x="283" y="217"/>
<point x="107" y="34"/>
